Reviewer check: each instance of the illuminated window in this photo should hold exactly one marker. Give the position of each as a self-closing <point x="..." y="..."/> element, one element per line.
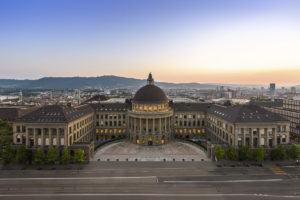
<point x="194" y="131"/>
<point x="185" y="131"/>
<point x="156" y="141"/>
<point x="176" y="131"/>
<point x="101" y="131"/>
<point x="150" y="108"/>
<point x="105" y="130"/>
<point x="199" y="131"/>
<point x="162" y="141"/>
<point x="120" y="131"/>
<point x="138" y="141"/>
<point x="145" y="108"/>
<point x="180" y="131"/>
<point x="143" y="141"/>
<point x="150" y="138"/>
<point x="203" y="130"/>
<point x="190" y="131"/>
<point x="97" y="130"/>
<point x="110" y="130"/>
<point x="155" y="108"/>
<point x="124" y="131"/>
<point x="159" y="107"/>
<point x="141" y="108"/>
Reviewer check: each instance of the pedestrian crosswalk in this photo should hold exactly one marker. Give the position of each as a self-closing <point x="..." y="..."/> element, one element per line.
<point x="278" y="171"/>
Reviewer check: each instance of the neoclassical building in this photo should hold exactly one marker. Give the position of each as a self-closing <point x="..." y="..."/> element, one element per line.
<point x="149" y="118"/>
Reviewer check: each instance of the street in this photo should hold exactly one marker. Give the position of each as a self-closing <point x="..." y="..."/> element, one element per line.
<point x="150" y="180"/>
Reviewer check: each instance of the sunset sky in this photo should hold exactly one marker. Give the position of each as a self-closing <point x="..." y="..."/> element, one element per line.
<point x="205" y="41"/>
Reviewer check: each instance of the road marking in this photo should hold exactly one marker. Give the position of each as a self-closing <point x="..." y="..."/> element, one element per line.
<point x="79" y="178"/>
<point x="228" y="181"/>
<point x="278" y="171"/>
<point x="155" y="195"/>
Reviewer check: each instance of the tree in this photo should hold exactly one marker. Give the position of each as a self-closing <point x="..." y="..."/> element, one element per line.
<point x="8" y="155"/>
<point x="245" y="153"/>
<point x="260" y="154"/>
<point x="219" y="152"/>
<point x="79" y="157"/>
<point x="51" y="156"/>
<point x="232" y="154"/>
<point x="6" y="134"/>
<point x="293" y="152"/>
<point x="22" y="155"/>
<point x="278" y="153"/>
<point x="39" y="156"/>
<point x="65" y="157"/>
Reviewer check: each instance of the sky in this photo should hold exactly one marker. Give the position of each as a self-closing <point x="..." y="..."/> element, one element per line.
<point x="205" y="41"/>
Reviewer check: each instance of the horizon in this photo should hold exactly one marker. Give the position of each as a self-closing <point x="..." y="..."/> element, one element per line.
<point x="159" y="81"/>
<point x="232" y="42"/>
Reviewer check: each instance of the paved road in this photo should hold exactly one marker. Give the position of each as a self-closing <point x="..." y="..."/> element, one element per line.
<point x="152" y="181"/>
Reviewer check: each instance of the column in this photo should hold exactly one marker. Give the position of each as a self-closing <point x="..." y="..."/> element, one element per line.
<point x="165" y="125"/>
<point x="275" y="138"/>
<point x="134" y="125"/>
<point x="34" y="137"/>
<point x="259" y="136"/>
<point x="159" y="125"/>
<point x="169" y="127"/>
<point x="50" y="136"/>
<point x="27" y="137"/>
<point x="57" y="138"/>
<point x="251" y="138"/>
<point x="66" y="138"/>
<point x="153" y="125"/>
<point x="147" y="130"/>
<point x="43" y="137"/>
<point x="140" y="125"/>
<point x="267" y="138"/>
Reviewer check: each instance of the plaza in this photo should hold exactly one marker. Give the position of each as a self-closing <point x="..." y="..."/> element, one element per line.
<point x="127" y="151"/>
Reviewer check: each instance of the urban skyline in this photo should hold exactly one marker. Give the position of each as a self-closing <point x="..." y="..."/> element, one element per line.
<point x="235" y="42"/>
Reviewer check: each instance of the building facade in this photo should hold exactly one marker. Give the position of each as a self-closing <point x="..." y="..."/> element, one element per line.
<point x="290" y="110"/>
<point x="149" y="118"/>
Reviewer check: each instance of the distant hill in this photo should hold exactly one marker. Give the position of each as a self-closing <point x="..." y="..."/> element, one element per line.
<point x="108" y="82"/>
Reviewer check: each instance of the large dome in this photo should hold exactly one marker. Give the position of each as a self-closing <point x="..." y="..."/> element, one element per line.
<point x="150" y="93"/>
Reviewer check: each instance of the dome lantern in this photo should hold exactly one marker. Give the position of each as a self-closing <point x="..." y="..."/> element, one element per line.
<point x="150" y="80"/>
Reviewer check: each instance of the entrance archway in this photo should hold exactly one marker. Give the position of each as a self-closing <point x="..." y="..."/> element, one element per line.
<point x="150" y="140"/>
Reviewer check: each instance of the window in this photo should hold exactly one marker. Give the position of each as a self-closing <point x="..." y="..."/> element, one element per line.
<point x="284" y="128"/>
<point x="278" y="128"/>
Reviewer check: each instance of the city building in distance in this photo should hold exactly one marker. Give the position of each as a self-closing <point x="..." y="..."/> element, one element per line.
<point x="150" y="118"/>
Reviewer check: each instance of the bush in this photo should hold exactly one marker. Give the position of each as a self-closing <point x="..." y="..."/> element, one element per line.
<point x="65" y="157"/>
<point x="232" y="154"/>
<point x="245" y="153"/>
<point x="22" y="155"/>
<point x="79" y="157"/>
<point x="51" y="156"/>
<point x="8" y="155"/>
<point x="219" y="153"/>
<point x="39" y="156"/>
<point x="260" y="154"/>
<point x="278" y="153"/>
<point x="293" y="152"/>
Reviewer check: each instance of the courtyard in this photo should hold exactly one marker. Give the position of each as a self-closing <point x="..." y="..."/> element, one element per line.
<point x="174" y="151"/>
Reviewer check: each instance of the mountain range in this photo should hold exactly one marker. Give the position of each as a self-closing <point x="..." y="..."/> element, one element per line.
<point x="108" y="82"/>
